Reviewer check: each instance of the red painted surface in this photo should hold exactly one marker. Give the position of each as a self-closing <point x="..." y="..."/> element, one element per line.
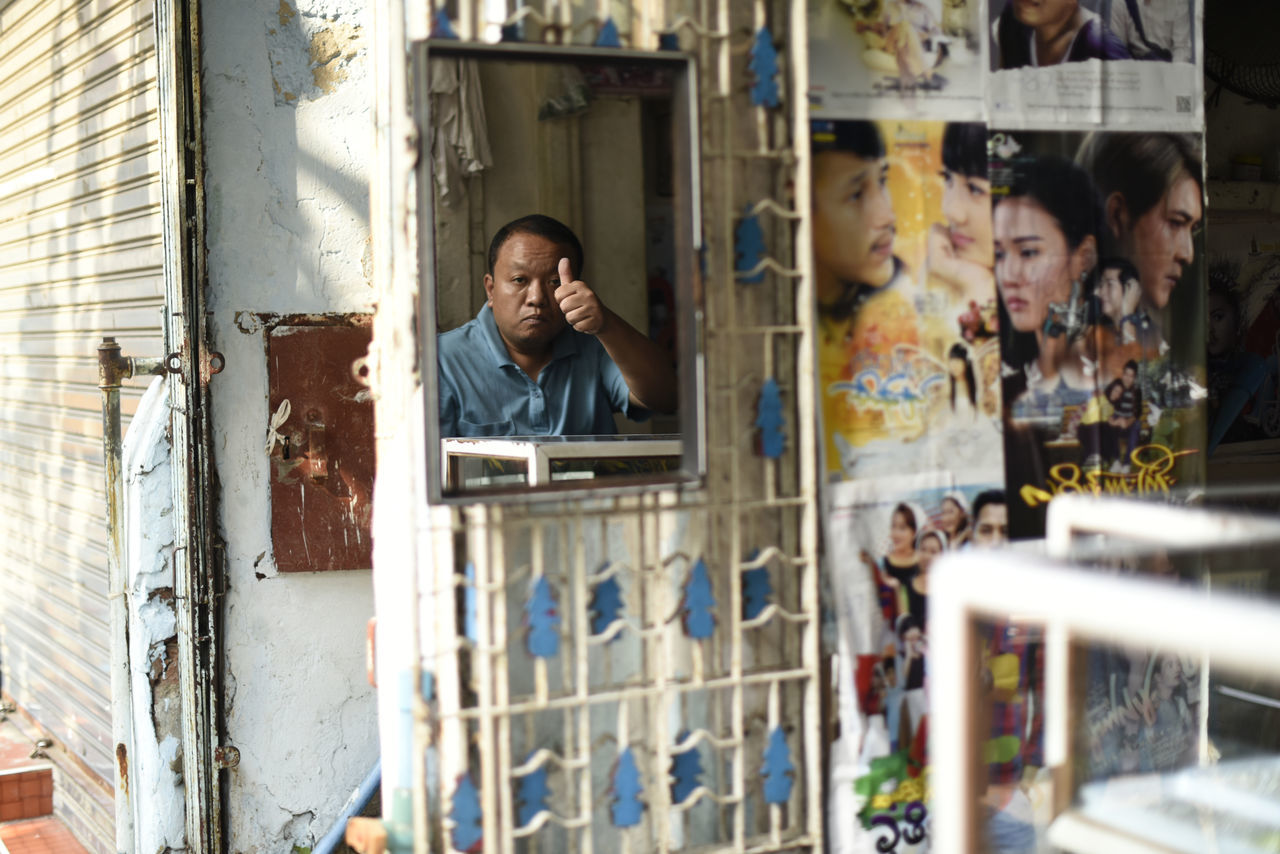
<point x="322" y="479"/>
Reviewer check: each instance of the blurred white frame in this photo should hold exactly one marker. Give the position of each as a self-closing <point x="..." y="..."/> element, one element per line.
<point x="1075" y="604"/>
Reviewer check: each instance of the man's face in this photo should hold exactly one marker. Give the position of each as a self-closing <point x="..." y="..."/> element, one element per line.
<point x="1163" y="240"/>
<point x="853" y="221"/>
<point x="1128" y="377"/>
<point x="520" y="292"/>
<point x="1111" y="293"/>
<point x="992" y="528"/>
<point x="1038" y="13"/>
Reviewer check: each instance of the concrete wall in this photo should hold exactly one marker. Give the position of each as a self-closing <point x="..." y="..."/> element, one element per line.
<point x="288" y="139"/>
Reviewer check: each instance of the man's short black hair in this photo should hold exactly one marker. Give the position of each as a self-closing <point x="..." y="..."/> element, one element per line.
<point x="539" y="225"/>
<point x="1123" y="266"/>
<point x="991" y="496"/>
<point x="860" y="138"/>
<point x="1131" y="365"/>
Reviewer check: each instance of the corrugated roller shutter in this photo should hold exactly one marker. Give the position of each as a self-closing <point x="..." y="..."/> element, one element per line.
<point x="80" y="257"/>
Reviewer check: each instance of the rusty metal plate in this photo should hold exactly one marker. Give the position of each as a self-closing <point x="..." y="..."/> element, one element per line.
<point x="322" y="458"/>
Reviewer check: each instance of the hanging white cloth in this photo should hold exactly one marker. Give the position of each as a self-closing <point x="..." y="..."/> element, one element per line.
<point x="459" y="132"/>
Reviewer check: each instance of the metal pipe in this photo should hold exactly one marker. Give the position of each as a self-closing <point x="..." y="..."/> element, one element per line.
<point x="113" y="369"/>
<point x="358" y="801"/>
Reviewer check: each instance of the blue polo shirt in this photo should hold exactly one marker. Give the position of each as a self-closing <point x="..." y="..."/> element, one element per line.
<point x="484" y="393"/>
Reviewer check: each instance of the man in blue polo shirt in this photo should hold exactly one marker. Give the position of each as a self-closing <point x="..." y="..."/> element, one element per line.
<point x="545" y="357"/>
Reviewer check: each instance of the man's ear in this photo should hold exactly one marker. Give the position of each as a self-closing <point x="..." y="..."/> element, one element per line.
<point x="488" y="289"/>
<point x="1117" y="213"/>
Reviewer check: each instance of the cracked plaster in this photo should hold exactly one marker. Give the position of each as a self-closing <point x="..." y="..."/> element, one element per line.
<point x="287" y="210"/>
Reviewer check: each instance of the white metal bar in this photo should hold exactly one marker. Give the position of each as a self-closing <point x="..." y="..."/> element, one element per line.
<point x="582" y="690"/>
<point x="660" y="795"/>
<point x="596" y="698"/>
<point x="502" y="687"/>
<point x="490" y="517"/>
<point x="1147" y="521"/>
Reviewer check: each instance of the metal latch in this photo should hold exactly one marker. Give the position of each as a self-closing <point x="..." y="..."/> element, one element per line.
<point x="226" y="756"/>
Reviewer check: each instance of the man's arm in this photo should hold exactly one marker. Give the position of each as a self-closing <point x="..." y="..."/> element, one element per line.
<point x="644" y="365"/>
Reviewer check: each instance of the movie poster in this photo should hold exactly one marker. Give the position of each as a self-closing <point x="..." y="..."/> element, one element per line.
<point x="909" y="361"/>
<point x="1141" y="712"/>
<point x="1100" y="269"/>
<point x="896" y="58"/>
<point x="1142" y="705"/>
<point x="883" y="536"/>
<point x="1118" y="63"/>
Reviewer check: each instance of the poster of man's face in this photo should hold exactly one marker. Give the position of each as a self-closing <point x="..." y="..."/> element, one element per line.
<point x="1099" y="264"/>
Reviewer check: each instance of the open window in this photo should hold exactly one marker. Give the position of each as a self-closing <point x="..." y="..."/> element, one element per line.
<point x="605" y="142"/>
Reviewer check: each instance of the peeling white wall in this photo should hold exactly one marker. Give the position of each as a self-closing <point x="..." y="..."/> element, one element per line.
<point x="155" y="768"/>
<point x="288" y="144"/>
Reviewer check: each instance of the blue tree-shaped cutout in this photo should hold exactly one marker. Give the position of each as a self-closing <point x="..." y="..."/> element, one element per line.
<point x="769" y="420"/>
<point x="756" y="591"/>
<point x="532" y="794"/>
<point x="748" y="248"/>
<point x="441" y="28"/>
<point x="778" y="769"/>
<point x="470" y="624"/>
<point x="542" y="616"/>
<point x="699" y="604"/>
<point x="467" y="833"/>
<point x="626" y="789"/>
<point x="764" y="65"/>
<point x="606" y="605"/>
<point x="511" y="33"/>
<point x="686" y="772"/>
<point x="668" y="41"/>
<point x="608" y="35"/>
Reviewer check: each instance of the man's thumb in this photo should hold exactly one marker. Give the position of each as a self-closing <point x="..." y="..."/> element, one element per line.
<point x="566" y="274"/>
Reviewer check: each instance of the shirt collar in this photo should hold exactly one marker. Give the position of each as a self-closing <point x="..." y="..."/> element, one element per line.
<point x="564" y="345"/>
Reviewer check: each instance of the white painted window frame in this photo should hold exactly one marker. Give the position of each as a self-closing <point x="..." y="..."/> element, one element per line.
<point x="1074" y="605"/>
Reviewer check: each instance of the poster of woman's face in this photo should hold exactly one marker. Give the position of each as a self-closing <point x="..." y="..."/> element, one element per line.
<point x="1099" y="266"/>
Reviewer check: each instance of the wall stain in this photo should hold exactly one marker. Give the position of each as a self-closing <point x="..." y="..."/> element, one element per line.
<point x="310" y="56"/>
<point x="331" y="51"/>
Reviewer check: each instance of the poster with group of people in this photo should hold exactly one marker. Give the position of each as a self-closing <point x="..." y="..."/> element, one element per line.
<point x="1025" y="63"/>
<point x="890" y="531"/>
<point x="910" y="384"/>
<point x="1007" y="311"/>
<point x="1099" y="262"/>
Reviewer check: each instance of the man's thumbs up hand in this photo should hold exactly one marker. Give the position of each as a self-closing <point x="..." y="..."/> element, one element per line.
<point x="579" y="304"/>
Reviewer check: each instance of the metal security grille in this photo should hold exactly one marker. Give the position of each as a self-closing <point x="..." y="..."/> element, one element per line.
<point x="80" y="257"/>
<point x="642" y="673"/>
